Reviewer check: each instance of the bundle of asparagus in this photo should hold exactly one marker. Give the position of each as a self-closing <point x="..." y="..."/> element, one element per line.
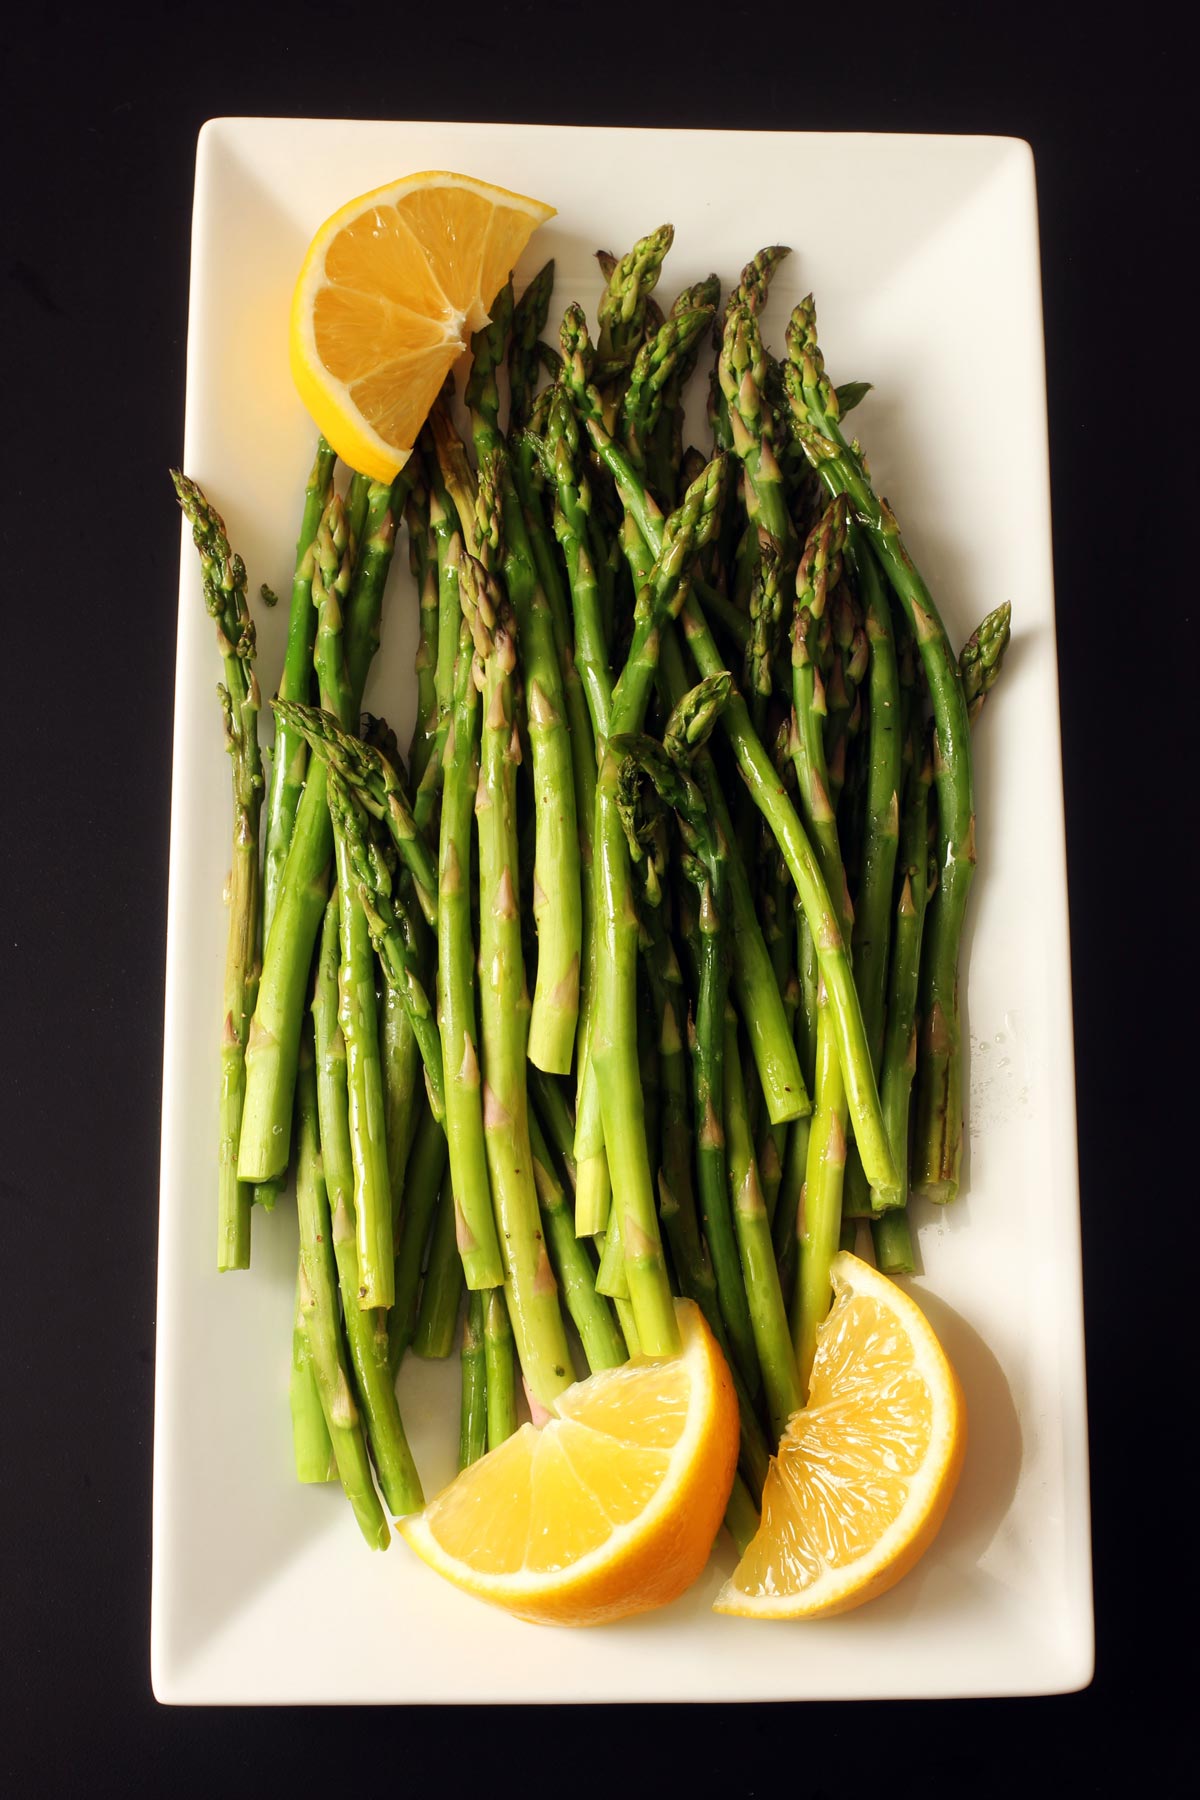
<point x="665" y="902"/>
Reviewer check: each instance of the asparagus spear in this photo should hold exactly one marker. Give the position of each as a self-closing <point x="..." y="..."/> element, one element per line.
<point x="295" y="683"/>
<point x="672" y="345"/>
<point x="402" y="1086"/>
<point x="358" y="1010"/>
<point x="572" y="517"/>
<point x="615" y="1040"/>
<point x="881" y="830"/>
<point x="472" y="1430"/>
<point x="555" y="1121"/>
<point x="981" y="657"/>
<point x="777" y="907"/>
<point x="980" y="662"/>
<point x="768" y="1313"/>
<point x="817" y="577"/>
<point x="312" y="1451"/>
<point x="529" y="464"/>
<point x="501" y="1372"/>
<point x="319" y="1309"/>
<point x="937" y="1147"/>
<point x="664" y="456"/>
<point x="422" y="560"/>
<point x="556" y="876"/>
<point x="704" y="865"/>
<point x="442" y="1286"/>
<point x="273" y="1045"/>
<point x="572" y="1263"/>
<point x="645" y="830"/>
<point x="504" y="1006"/>
<point x="456" y="987"/>
<point x="755" y="988"/>
<point x="848" y="661"/>
<point x="376" y="785"/>
<point x="364" y="1070"/>
<point x="624" y="305"/>
<point x="741" y="369"/>
<point x="223" y="575"/>
<point x="444" y="523"/>
<point x="528" y="323"/>
<point x="363" y="875"/>
<point x="556" y="900"/>
<point x="757" y="770"/>
<point x="357" y="504"/>
<point x="422" y="1187"/>
<point x="748" y="296"/>
<point x="366" y="1331"/>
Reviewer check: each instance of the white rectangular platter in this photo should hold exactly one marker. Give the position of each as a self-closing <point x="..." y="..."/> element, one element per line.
<point x="923" y="255"/>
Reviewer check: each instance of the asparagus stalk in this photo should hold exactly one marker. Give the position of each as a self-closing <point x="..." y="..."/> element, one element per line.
<point x="624" y="305"/>
<point x="473" y="1417"/>
<point x="401" y="1087"/>
<point x="748" y="296"/>
<point x="704" y="865"/>
<point x="644" y="828"/>
<point x="742" y="373"/>
<point x="363" y="874"/>
<point x="295" y="683"/>
<point x="572" y="1263"/>
<point x="817" y="577"/>
<point x="881" y="831"/>
<point x="273" y="1045"/>
<point x="376" y="785"/>
<point x="768" y="1313"/>
<point x="442" y="1287"/>
<point x="312" y="1453"/>
<point x="572" y="517"/>
<point x="758" y="772"/>
<point x="891" y="1237"/>
<point x="611" y="1277"/>
<point x="422" y="1188"/>
<point x="356" y="978"/>
<point x="456" y="986"/>
<point x="528" y="466"/>
<point x="822" y="910"/>
<point x="615" y="1039"/>
<point x="981" y="658"/>
<point x="980" y="663"/>
<point x="223" y="575"/>
<point x="357" y="503"/>
<point x="557" y="903"/>
<point x="444" y="523"/>
<point x="664" y="457"/>
<point x="364" y="1072"/>
<point x="501" y="1371"/>
<point x="937" y="1147"/>
<point x="504" y="1005"/>
<point x="752" y="975"/>
<point x="673" y="344"/>
<point x="528" y="323"/>
<point x="779" y="935"/>
<point x="366" y="1331"/>
<point x="554" y="1119"/>
<point x="319" y="1308"/>
<point x="423" y="563"/>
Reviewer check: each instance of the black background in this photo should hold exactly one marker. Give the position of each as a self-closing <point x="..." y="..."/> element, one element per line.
<point x="100" y="117"/>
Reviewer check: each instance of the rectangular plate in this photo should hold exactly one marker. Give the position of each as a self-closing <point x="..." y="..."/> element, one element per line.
<point x="923" y="255"/>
